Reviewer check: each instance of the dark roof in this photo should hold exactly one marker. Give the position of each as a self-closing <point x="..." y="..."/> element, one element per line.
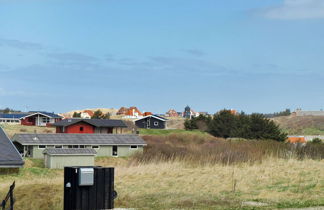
<point x="9" y="155"/>
<point x="22" y="115"/>
<point x="57" y="151"/>
<point x="154" y="116"/>
<point x="78" y="139"/>
<point x="94" y="122"/>
<point x="49" y="114"/>
<point x="12" y="116"/>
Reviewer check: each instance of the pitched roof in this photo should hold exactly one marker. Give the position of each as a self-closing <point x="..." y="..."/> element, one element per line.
<point x="58" y="151"/>
<point x="13" y="116"/>
<point x="154" y="116"/>
<point x="48" y="114"/>
<point x="78" y="139"/>
<point x="23" y="115"/>
<point x="94" y="122"/>
<point x="9" y="155"/>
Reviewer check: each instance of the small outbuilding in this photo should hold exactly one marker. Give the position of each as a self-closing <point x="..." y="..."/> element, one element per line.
<point x="151" y="122"/>
<point x="60" y="158"/>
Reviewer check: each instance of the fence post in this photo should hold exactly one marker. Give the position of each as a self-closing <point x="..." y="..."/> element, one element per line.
<point x="11" y="197"/>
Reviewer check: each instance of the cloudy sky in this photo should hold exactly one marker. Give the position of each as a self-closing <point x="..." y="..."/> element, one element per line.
<point x="250" y="55"/>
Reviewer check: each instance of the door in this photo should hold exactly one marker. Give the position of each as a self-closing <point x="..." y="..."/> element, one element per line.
<point x="115" y="151"/>
<point x="110" y="130"/>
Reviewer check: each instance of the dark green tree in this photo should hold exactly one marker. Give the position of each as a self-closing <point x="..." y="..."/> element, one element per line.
<point x="76" y="114"/>
<point x="223" y="124"/>
<point x="98" y="115"/>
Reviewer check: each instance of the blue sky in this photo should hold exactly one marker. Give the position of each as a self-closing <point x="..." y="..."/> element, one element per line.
<point x="250" y="55"/>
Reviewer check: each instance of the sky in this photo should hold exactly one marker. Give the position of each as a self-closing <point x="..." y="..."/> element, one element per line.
<point x="249" y="55"/>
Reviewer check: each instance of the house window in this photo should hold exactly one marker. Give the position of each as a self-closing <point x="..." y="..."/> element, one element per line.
<point x="75" y="146"/>
<point x="41" y="146"/>
<point x="58" y="146"/>
<point x="46" y="120"/>
<point x="82" y="146"/>
<point x="133" y="146"/>
<point x="70" y="146"/>
<point x="156" y="123"/>
<point x="81" y="129"/>
<point x="95" y="147"/>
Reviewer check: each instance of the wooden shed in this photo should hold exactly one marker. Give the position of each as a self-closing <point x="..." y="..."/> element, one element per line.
<point x="60" y="158"/>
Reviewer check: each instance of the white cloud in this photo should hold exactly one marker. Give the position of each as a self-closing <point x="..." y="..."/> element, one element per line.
<point x="296" y="9"/>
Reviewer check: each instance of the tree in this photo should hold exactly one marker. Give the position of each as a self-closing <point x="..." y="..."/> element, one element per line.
<point x="107" y="116"/>
<point x="76" y="114"/>
<point x="223" y="124"/>
<point x="98" y="115"/>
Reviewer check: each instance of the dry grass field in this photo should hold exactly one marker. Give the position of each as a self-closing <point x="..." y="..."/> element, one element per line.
<point x="301" y="125"/>
<point x="175" y="178"/>
<point x="13" y="129"/>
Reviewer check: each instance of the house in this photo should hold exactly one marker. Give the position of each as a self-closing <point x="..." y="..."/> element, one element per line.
<point x="9" y="155"/>
<point x="87" y="114"/>
<point x="89" y="126"/>
<point x="33" y="118"/>
<point x="296" y="139"/>
<point x="115" y="145"/>
<point x="189" y="113"/>
<point x="151" y="122"/>
<point x="40" y="118"/>
<point x="172" y="113"/>
<point x="57" y="158"/>
<point x="131" y="112"/>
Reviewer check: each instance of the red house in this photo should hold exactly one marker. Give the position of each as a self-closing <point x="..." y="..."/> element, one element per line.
<point x="40" y="119"/>
<point x="89" y="126"/>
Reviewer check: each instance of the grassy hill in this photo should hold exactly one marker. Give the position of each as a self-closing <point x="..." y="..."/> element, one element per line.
<point x="13" y="129"/>
<point x="303" y="125"/>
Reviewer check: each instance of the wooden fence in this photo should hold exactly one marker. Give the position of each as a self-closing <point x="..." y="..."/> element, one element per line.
<point x="9" y="201"/>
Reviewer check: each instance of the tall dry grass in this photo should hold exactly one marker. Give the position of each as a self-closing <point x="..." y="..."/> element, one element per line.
<point x="208" y="150"/>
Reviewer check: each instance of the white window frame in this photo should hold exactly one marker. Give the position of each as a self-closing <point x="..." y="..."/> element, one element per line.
<point x="58" y="146"/>
<point x="98" y="147"/>
<point x="156" y="123"/>
<point x="42" y="146"/>
<point x="130" y="147"/>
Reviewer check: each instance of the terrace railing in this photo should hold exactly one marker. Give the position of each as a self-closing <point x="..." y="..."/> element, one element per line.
<point x="9" y="201"/>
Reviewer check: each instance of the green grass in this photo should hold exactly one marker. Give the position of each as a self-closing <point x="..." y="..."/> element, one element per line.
<point x="169" y="131"/>
<point x="304" y="131"/>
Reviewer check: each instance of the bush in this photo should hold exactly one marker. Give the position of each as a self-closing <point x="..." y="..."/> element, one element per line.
<point x="228" y="125"/>
<point x="317" y="141"/>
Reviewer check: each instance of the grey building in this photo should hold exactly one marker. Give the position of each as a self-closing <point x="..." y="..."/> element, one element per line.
<point x="151" y="122"/>
<point x="9" y="155"/>
<point x="116" y="145"/>
<point x="60" y="158"/>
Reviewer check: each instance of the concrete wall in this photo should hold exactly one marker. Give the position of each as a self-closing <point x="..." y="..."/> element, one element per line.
<point x="60" y="161"/>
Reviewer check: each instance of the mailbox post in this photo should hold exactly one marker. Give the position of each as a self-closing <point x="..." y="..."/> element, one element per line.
<point x="88" y="188"/>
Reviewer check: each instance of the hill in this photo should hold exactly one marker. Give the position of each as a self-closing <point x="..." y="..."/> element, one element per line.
<point x="301" y="125"/>
<point x="112" y="111"/>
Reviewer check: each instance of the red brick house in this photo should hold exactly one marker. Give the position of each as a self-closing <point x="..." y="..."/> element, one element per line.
<point x="90" y="126"/>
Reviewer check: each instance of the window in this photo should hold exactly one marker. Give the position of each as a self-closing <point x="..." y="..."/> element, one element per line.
<point x="41" y="146"/>
<point x="95" y="147"/>
<point x="58" y="146"/>
<point x="81" y="129"/>
<point x="46" y="120"/>
<point x="133" y="147"/>
<point x="82" y="146"/>
<point x="70" y="146"/>
<point x="156" y="123"/>
<point x="75" y="146"/>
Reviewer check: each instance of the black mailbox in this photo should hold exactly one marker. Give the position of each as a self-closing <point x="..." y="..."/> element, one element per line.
<point x="88" y="188"/>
